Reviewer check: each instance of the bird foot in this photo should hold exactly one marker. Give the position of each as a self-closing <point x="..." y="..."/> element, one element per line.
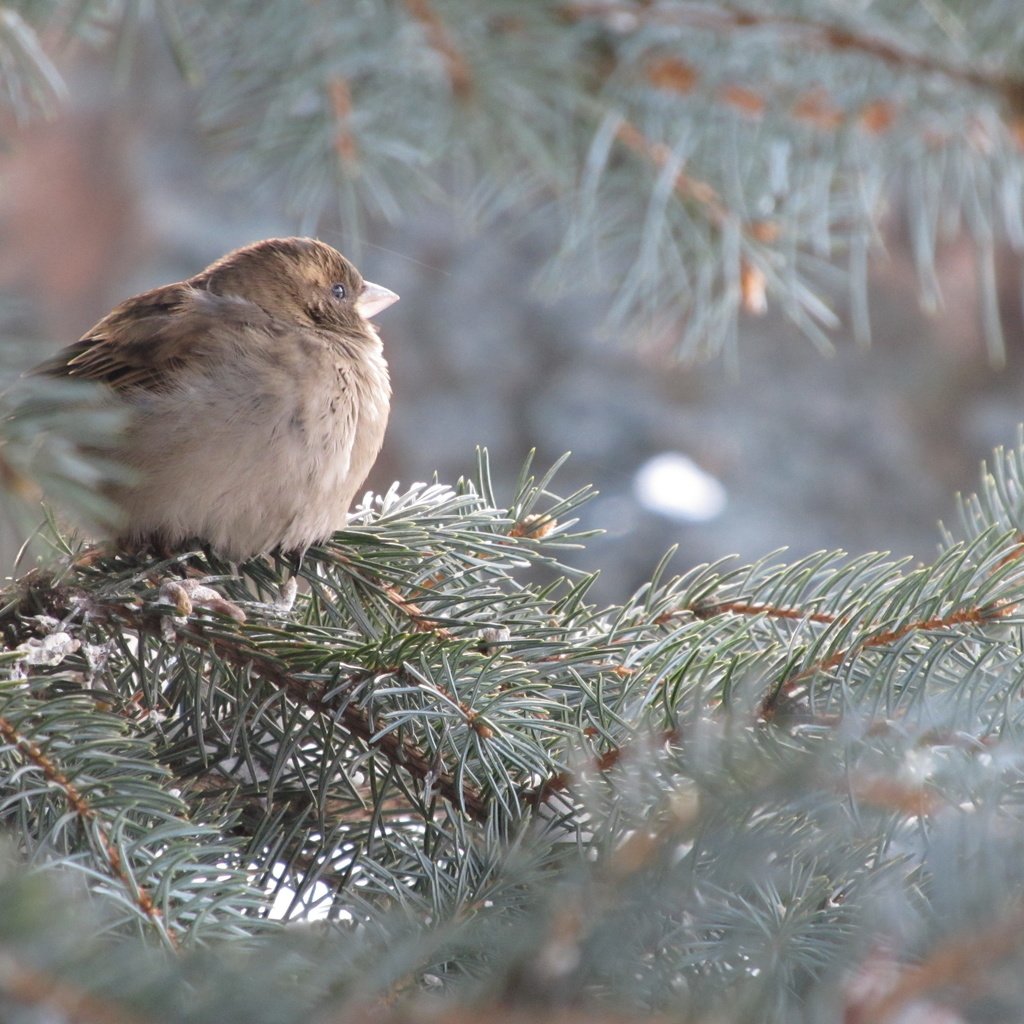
<point x="187" y="595"/>
<point x="285" y="601"/>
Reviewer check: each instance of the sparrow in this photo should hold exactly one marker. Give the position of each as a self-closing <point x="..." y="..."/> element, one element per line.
<point x="257" y="393"/>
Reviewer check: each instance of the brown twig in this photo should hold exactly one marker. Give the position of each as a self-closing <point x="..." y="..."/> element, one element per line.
<point x="752" y="278"/>
<point x="422" y="622"/>
<point x="339" y="96"/>
<point x="67" y="1002"/>
<point x="88" y="815"/>
<point x="769" y="610"/>
<point x="561" y="781"/>
<point x="964" y="616"/>
<point x="959" y="961"/>
<point x="688" y="187"/>
<point x="876" y="792"/>
<point x="807" y="31"/>
<point x="399" y="750"/>
<point x="439" y="39"/>
<point x="889" y="794"/>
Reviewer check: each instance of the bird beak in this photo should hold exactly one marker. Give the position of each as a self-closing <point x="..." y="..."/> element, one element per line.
<point x="373" y="298"/>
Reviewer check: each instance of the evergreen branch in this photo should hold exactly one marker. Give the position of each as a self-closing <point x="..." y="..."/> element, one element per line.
<point x="853" y="582"/>
<point x="55" y="996"/>
<point x="718" y="19"/>
<point x="752" y="278"/>
<point x="399" y="750"/>
<point x="29" y="81"/>
<point x="561" y="782"/>
<point x="893" y="795"/>
<point x="688" y="187"/>
<point x="339" y="96"/>
<point x="766" y="216"/>
<point x="88" y="816"/>
<point x="885" y="638"/>
<point x="996" y="571"/>
<point x="629" y="711"/>
<point x="437" y="35"/>
<point x="420" y="620"/>
<point x="961" y="961"/>
<point x="746" y="608"/>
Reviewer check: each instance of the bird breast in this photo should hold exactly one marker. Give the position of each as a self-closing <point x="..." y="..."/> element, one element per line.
<point x="260" y="452"/>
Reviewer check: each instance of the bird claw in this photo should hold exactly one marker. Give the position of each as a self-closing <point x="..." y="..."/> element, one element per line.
<point x="285" y="601"/>
<point x="187" y="595"/>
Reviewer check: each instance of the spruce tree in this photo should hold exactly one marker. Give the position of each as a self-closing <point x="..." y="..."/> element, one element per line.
<point x="435" y="781"/>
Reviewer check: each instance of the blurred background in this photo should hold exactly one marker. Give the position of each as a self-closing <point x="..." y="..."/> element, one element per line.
<point x="861" y="450"/>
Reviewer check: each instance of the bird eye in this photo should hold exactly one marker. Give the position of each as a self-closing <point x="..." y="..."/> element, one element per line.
<point x="339" y="291"/>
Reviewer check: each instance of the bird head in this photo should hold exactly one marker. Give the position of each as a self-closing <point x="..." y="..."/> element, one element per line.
<point x="298" y="278"/>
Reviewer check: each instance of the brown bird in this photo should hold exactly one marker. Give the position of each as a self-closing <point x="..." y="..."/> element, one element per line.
<point x="258" y="395"/>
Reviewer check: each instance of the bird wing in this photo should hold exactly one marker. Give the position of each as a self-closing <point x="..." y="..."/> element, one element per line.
<point x="143" y="342"/>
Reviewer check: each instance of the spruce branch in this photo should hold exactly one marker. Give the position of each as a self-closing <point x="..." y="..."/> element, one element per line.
<point x="640" y="823"/>
<point x="30" y="987"/>
<point x="93" y="825"/>
<point x="74" y="778"/>
<point x="716" y="162"/>
<point x="661" y="156"/>
<point x="439" y="38"/>
<point x="30" y="83"/>
<point x="885" y="638"/>
<point x="804" y="30"/>
<point x="735" y="794"/>
<point x="251" y="660"/>
<point x="340" y="96"/>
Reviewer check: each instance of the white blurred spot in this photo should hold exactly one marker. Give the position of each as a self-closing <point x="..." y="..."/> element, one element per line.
<point x="675" y="486"/>
<point x="316" y="904"/>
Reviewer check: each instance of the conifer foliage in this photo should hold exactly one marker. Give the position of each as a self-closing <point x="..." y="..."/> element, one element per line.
<point x="421" y="775"/>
